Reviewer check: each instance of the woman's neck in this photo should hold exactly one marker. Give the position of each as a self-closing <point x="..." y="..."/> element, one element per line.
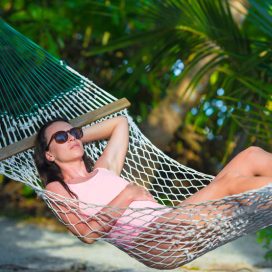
<point x="74" y="170"/>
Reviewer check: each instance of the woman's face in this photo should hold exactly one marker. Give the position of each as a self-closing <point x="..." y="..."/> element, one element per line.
<point x="71" y="150"/>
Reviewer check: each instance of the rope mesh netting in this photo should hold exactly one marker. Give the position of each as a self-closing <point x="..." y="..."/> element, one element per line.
<point x="36" y="87"/>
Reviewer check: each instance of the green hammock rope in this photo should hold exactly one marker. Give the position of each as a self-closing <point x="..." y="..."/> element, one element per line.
<point x="39" y="76"/>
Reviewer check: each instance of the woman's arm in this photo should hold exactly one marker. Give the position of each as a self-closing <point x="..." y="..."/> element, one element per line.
<point x="117" y="133"/>
<point x="105" y="219"/>
<point x="102" y="130"/>
<point x="88" y="229"/>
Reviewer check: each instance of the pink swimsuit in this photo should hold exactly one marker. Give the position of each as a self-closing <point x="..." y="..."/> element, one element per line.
<point x="101" y="189"/>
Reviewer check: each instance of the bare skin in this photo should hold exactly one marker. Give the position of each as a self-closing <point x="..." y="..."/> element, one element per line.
<point x="251" y="169"/>
<point x="68" y="157"/>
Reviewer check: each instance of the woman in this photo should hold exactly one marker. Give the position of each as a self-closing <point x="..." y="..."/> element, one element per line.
<point x="66" y="171"/>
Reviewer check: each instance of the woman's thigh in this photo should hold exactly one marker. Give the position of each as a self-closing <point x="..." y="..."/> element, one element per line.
<point x="216" y="189"/>
<point x="226" y="185"/>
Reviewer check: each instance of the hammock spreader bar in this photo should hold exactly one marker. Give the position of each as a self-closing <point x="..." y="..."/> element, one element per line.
<point x="80" y="121"/>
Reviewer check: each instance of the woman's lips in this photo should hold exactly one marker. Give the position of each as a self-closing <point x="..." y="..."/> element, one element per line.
<point x="75" y="145"/>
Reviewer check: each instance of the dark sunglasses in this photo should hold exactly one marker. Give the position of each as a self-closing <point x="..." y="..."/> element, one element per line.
<point x="62" y="136"/>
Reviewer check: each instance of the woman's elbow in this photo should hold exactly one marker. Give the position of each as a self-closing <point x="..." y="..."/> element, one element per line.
<point x="87" y="240"/>
<point x="89" y="237"/>
<point x="123" y="119"/>
<point x="85" y="235"/>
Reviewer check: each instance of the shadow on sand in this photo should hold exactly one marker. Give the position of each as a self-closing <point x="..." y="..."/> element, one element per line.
<point x="30" y="248"/>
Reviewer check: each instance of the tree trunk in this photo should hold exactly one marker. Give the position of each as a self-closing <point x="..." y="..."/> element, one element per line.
<point x="164" y="120"/>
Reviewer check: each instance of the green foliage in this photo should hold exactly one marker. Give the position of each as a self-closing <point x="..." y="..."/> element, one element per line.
<point x="206" y="36"/>
<point x="28" y="192"/>
<point x="264" y="237"/>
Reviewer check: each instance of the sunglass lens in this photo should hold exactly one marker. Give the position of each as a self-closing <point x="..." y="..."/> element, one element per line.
<point x="61" y="137"/>
<point x="76" y="132"/>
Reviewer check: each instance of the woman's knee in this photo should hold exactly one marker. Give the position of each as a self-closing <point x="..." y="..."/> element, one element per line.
<point x="252" y="152"/>
<point x="248" y="157"/>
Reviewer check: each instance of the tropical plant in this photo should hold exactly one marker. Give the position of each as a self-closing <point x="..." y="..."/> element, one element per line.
<point x="227" y="59"/>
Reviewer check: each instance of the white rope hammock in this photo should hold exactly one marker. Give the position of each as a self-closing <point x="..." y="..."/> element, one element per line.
<point x="192" y="230"/>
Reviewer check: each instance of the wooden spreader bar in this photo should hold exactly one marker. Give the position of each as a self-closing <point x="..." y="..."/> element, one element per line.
<point x="80" y="121"/>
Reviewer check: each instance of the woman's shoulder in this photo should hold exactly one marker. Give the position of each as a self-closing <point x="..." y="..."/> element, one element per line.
<point x="56" y="187"/>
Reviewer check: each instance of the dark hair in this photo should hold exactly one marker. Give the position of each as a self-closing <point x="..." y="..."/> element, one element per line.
<point x="50" y="171"/>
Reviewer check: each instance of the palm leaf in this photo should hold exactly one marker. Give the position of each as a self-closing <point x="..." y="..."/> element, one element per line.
<point x="205" y="31"/>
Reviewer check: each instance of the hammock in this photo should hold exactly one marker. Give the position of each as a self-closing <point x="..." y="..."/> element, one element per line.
<point x="36" y="87"/>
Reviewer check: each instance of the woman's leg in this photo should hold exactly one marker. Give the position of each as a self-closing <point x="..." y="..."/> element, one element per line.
<point x="250" y="169"/>
<point x="253" y="161"/>
<point x="185" y="230"/>
<point x="227" y="184"/>
<point x="159" y="246"/>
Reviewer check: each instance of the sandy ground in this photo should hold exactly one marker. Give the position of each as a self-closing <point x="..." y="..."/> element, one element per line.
<point x="25" y="247"/>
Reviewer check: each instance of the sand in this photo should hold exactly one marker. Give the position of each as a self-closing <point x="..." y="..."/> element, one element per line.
<point x="27" y="247"/>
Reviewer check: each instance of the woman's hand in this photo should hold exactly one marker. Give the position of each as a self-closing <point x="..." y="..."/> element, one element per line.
<point x="136" y="192"/>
